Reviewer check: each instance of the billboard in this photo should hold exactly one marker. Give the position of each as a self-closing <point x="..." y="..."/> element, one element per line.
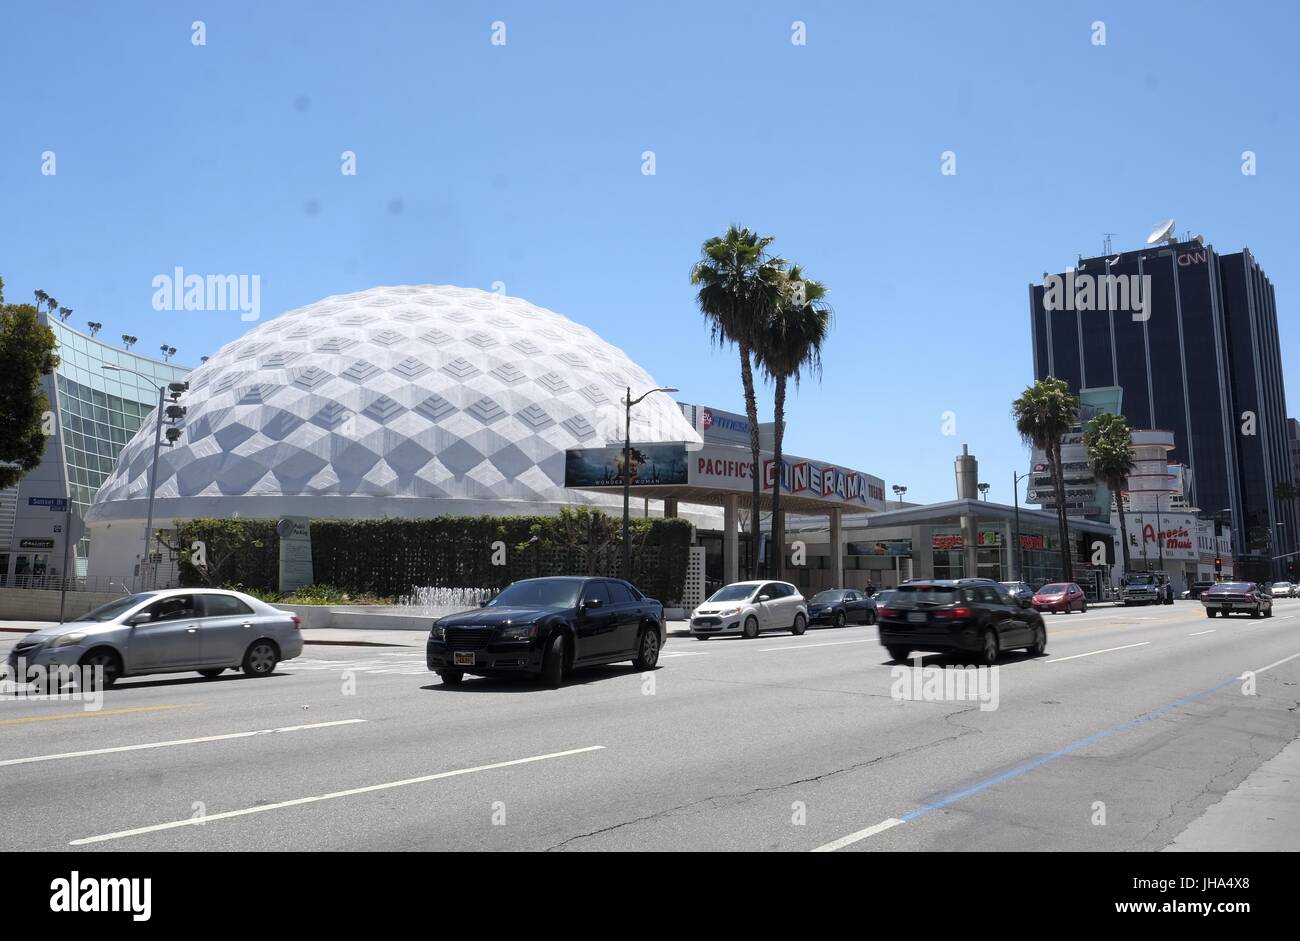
<point x="652" y="464"/>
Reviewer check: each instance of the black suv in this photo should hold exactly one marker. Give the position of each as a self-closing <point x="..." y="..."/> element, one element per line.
<point x="546" y="626"/>
<point x="970" y="614"/>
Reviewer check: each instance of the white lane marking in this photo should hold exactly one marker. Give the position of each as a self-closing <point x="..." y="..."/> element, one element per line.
<point x="1095" y="652"/>
<point x="1275" y="663"/>
<point x="683" y="653"/>
<point x="859" y="836"/>
<point x="1199" y="633"/>
<point x="838" y="643"/>
<point x="296" y="802"/>
<point x="180" y="741"/>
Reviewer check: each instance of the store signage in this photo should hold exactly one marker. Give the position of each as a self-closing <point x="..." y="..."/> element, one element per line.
<point x="890" y="547"/>
<point x="651" y="465"/>
<point x="1192" y="258"/>
<point x="295" y="552"/>
<point x="825" y="481"/>
<point x="35" y="543"/>
<point x="716" y="425"/>
<point x="55" y="504"/>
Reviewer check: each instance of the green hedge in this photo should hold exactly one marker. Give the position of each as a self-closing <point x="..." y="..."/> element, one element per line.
<point x="391" y="556"/>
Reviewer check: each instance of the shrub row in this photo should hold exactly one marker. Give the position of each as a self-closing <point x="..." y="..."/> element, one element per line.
<point x="391" y="556"/>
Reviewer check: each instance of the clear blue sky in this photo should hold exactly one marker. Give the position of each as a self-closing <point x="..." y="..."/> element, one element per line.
<point x="522" y="164"/>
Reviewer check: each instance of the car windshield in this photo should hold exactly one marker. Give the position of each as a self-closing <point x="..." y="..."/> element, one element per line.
<point x="734" y="593"/>
<point x="826" y="597"/>
<point x="1141" y="579"/>
<point x="1231" y="586"/>
<point x="115" y="609"/>
<point x="924" y="596"/>
<point x="539" y="593"/>
<point x="1051" y="589"/>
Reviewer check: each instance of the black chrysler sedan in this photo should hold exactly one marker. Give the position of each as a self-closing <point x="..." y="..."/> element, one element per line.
<point x="544" y="627"/>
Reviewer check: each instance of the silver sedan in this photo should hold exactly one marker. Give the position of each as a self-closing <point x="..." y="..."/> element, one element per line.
<point x="168" y="631"/>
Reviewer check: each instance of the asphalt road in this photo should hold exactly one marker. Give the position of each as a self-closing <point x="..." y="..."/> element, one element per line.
<point x="1133" y="724"/>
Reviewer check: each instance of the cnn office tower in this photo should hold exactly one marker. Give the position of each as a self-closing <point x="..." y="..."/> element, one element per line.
<point x="1201" y="359"/>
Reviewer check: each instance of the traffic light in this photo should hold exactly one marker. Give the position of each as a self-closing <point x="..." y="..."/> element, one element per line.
<point x="1218" y="566"/>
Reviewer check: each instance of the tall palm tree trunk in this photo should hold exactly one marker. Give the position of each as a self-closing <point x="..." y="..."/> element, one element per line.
<point x="751" y="413"/>
<point x="1123" y="527"/>
<point x="778" y="523"/>
<point x="1058" y="479"/>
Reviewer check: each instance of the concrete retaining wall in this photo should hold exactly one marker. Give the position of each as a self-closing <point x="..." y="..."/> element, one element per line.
<point x="35" y="604"/>
<point x="357" y="617"/>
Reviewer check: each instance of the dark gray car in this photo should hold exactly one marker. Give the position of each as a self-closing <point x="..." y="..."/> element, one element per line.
<point x="169" y="631"/>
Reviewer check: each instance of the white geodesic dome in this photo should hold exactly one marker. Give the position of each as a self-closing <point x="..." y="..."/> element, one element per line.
<point x="403" y="401"/>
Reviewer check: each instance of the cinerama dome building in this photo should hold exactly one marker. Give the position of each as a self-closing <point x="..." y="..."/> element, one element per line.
<point x="409" y="401"/>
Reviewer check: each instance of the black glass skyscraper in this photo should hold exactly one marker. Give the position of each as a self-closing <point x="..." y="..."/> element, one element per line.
<point x="1191" y="337"/>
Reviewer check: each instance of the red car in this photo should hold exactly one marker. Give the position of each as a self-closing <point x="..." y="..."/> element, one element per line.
<point x="1060" y="597"/>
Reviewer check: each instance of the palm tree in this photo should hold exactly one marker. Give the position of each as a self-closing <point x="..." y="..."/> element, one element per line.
<point x="739" y="285"/>
<point x="793" y="339"/>
<point x="1110" y="457"/>
<point x="41" y="298"/>
<point x="1044" y="412"/>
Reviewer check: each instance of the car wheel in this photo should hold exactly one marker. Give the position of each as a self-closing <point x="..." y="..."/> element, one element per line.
<point x="800" y="625"/>
<point x="647" y="650"/>
<point x="701" y="636"/>
<point x="1039" y="646"/>
<point x="260" y="659"/>
<point x="1268" y="613"/>
<point x="989" y="648"/>
<point x="451" y="677"/>
<point x="898" y="654"/>
<point x="553" y="663"/>
<point x="1083" y="608"/>
<point x="840" y="620"/>
<point x="1209" y="612"/>
<point x="212" y="674"/>
<point x="1255" y="613"/>
<point x="108" y="661"/>
<point x="751" y="627"/>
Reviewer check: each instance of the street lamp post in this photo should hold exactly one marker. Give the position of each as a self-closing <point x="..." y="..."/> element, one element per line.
<point x="1015" y="499"/>
<point x="153" y="466"/>
<point x="628" y="402"/>
<point x="984" y="491"/>
<point x="899" y="490"/>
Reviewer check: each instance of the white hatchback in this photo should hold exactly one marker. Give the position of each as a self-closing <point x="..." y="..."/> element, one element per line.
<point x="749" y="608"/>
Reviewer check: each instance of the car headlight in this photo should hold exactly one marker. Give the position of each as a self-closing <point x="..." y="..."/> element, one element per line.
<point x="68" y="640"/>
<point x="439" y="634"/>
<point x="517" y="632"/>
<point x="729" y="612"/>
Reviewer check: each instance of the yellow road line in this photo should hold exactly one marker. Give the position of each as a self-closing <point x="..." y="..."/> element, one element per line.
<point x="90" y="715"/>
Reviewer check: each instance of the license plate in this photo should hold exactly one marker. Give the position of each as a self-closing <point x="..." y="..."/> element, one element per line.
<point x="463" y="659"/>
<point x="1225" y="607"/>
<point x="917" y="617"/>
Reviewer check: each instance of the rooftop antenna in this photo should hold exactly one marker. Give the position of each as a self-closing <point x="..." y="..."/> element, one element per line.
<point x="1162" y="233"/>
<point x="1106" y="250"/>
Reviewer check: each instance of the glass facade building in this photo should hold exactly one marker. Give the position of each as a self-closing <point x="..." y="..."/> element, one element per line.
<point x="1203" y="361"/>
<point x="95" y="411"/>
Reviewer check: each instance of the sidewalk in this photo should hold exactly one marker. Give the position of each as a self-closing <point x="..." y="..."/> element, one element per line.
<point x="1261" y="814"/>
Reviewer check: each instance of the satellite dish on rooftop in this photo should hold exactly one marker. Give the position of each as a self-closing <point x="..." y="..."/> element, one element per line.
<point x="1162" y="233"/>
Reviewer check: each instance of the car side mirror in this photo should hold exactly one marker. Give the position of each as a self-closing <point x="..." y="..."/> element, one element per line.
<point x="137" y="619"/>
<point x="482" y="604"/>
<point x="764" y="597"/>
<point x="591" y="603"/>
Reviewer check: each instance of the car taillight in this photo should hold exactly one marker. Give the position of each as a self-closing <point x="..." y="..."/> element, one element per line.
<point x="887" y="612"/>
<point x="297" y="622"/>
<point x="953" y="614"/>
